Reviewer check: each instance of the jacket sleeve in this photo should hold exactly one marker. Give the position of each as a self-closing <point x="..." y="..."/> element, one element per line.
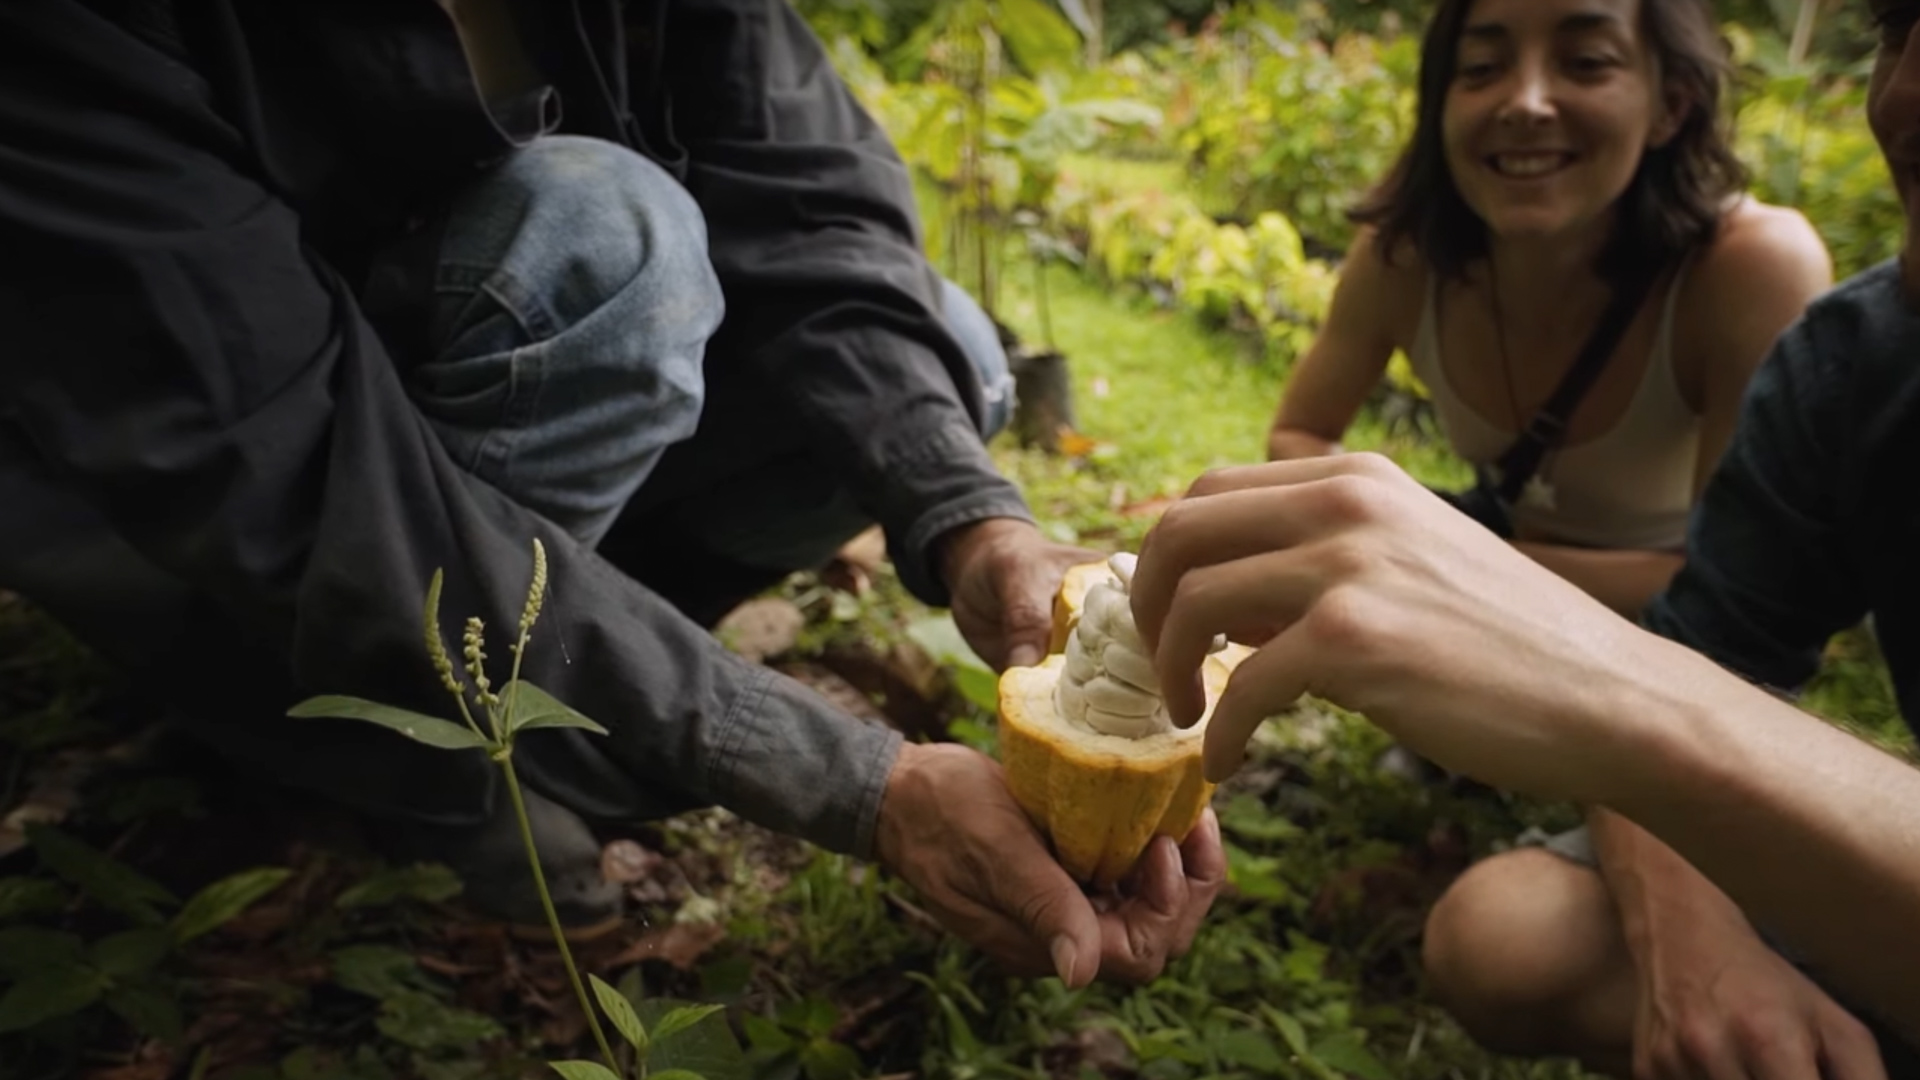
<point x="831" y="302"/>
<point x="1769" y="575"/>
<point x="178" y="357"/>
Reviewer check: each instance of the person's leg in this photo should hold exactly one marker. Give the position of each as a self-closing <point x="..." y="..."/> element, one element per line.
<point x="743" y="504"/>
<point x="1526" y="951"/>
<point x="552" y="337"/>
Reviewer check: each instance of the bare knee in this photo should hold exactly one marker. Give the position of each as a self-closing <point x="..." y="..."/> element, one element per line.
<point x="1517" y="946"/>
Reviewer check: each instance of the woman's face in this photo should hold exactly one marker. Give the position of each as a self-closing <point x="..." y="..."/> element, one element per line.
<point x="1553" y="104"/>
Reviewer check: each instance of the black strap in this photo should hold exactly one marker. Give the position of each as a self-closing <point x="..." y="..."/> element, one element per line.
<point x="1516" y="466"/>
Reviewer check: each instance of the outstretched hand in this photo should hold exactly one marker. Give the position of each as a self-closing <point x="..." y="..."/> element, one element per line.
<point x="1003" y="575"/>
<point x="950" y="827"/>
<point x="1362" y="587"/>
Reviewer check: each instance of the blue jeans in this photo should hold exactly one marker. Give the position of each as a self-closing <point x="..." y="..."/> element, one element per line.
<point x="561" y="362"/>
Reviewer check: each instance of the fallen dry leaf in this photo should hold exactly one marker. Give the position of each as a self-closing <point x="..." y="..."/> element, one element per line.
<point x="681" y="944"/>
<point x="625" y="862"/>
<point x="830" y="685"/>
<point x="760" y="628"/>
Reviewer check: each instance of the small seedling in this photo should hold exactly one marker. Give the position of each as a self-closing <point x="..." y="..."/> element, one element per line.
<point x="516" y="707"/>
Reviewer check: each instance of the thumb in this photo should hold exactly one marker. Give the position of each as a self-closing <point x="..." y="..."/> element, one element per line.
<point x="1039" y="896"/>
<point x="1026" y="623"/>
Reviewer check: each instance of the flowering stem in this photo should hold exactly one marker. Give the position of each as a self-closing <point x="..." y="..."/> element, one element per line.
<point x="505" y="757"/>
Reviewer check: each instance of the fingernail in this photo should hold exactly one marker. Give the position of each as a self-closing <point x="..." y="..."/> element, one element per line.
<point x="1023" y="656"/>
<point x="1064" y="954"/>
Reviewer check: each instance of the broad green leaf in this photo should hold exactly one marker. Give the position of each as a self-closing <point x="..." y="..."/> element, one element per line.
<point x="1348" y="1053"/>
<point x="26" y="951"/>
<point x="709" y="1047"/>
<point x="49" y="994"/>
<point x="683" y="1018"/>
<point x="942" y="640"/>
<point x="426" y="1023"/>
<point x="27" y="897"/>
<point x="1289" y="1029"/>
<point x="378" y="971"/>
<point x="431" y="882"/>
<point x="824" y="1059"/>
<point x="1257" y="877"/>
<point x="582" y="1070"/>
<point x="766" y="1035"/>
<point x="620" y="1011"/>
<point x="313" y="1063"/>
<point x="444" y="734"/>
<point x="1250" y="1050"/>
<point x="1247" y="818"/>
<point x="105" y="879"/>
<point x="535" y="708"/>
<point x="131" y="953"/>
<point x="219" y="903"/>
<point x="1039" y="37"/>
<point x="148" y="1008"/>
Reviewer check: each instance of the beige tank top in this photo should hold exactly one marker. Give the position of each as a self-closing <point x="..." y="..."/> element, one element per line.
<point x="1632" y="487"/>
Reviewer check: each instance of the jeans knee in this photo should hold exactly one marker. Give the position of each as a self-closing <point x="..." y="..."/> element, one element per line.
<point x="567" y="225"/>
<point x="573" y="302"/>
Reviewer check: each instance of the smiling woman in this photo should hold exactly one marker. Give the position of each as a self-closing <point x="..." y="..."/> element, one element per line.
<point x="1568" y="190"/>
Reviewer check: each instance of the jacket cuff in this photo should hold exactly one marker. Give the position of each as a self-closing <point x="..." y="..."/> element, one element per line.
<point x="939" y="484"/>
<point x="791" y="762"/>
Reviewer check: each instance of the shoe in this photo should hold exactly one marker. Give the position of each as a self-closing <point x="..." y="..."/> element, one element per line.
<point x="491" y="861"/>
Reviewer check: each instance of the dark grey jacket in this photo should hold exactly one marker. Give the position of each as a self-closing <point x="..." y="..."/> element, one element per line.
<point x="190" y="193"/>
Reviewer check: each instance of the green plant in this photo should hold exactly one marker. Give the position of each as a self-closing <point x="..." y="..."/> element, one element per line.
<point x="1293" y="121"/>
<point x="518" y="706"/>
<point x="56" y="975"/>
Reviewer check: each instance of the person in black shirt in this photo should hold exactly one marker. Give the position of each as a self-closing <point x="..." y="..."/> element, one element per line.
<point x="304" y="300"/>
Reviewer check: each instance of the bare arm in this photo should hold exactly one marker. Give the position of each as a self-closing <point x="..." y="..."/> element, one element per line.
<point x="1333" y="379"/>
<point x="1624" y="580"/>
<point x="1825" y="848"/>
<point x="1766" y="268"/>
<point x="1391" y="604"/>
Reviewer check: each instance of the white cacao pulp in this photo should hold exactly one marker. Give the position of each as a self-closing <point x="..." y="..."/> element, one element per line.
<point x="1109" y="685"/>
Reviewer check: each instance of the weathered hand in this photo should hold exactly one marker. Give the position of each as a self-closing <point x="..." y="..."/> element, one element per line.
<point x="950" y="827"/>
<point x="1003" y="575"/>
<point x="1369" y="591"/>
<point x="1718" y="1004"/>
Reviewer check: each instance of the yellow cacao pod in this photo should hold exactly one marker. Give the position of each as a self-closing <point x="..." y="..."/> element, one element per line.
<point x="1100" y="799"/>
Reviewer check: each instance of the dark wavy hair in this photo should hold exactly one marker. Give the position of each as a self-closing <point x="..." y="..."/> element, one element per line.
<point x="1672" y="205"/>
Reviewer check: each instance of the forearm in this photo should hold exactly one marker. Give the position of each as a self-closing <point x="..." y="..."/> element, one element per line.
<point x="1287" y="443"/>
<point x="1657" y="892"/>
<point x="1623" y="580"/>
<point x="1815" y="834"/>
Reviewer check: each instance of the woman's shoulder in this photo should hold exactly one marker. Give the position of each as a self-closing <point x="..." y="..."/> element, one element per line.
<point x="1762" y="268"/>
<point x="1758" y="245"/>
<point x="1391" y="283"/>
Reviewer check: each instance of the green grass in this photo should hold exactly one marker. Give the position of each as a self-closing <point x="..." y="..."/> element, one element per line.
<point x="1164" y="398"/>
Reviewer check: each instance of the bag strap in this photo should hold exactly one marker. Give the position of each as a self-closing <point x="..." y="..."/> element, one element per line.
<point x="1516" y="466"/>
